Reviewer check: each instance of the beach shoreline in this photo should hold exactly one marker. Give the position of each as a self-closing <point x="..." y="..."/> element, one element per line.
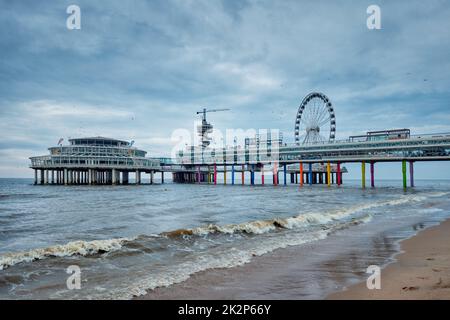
<point x="421" y="270"/>
<point x="278" y="275"/>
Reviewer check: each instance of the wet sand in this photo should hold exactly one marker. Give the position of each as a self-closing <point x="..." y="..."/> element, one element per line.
<point x="317" y="269"/>
<point x="422" y="270"/>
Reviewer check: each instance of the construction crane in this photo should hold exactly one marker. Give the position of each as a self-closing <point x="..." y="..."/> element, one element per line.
<point x="205" y="127"/>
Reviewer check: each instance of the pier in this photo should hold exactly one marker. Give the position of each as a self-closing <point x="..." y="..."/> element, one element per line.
<point x="314" y="157"/>
<point x="109" y="161"/>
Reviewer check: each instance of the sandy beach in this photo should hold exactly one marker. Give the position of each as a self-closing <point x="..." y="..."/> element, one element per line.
<point x="422" y="270"/>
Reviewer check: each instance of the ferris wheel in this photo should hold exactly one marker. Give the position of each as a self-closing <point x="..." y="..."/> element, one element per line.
<point x="315" y="121"/>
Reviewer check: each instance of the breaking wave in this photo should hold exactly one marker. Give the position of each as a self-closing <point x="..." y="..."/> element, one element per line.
<point x="301" y="220"/>
<point x="82" y="248"/>
<point x="85" y="248"/>
<point x="234" y="257"/>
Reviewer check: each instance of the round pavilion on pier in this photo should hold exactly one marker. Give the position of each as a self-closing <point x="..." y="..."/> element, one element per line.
<point x="95" y="160"/>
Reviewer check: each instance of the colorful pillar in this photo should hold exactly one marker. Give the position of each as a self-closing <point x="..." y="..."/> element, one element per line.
<point x="329" y="173"/>
<point x="243" y="175"/>
<point x="225" y="174"/>
<point x="339" y="177"/>
<point x="301" y="174"/>
<point x="372" y="174"/>
<point x="215" y="173"/>
<point x="310" y="174"/>
<point x="232" y="174"/>
<point x="275" y="173"/>
<point x="404" y="173"/>
<point x="252" y="175"/>
<point x="285" y="173"/>
<point x="262" y="174"/>
<point x="411" y="173"/>
<point x="363" y="174"/>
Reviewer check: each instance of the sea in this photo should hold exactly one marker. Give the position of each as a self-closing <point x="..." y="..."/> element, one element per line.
<point x="125" y="241"/>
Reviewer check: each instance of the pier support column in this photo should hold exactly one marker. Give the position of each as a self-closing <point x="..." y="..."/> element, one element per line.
<point x="275" y="173"/>
<point x="262" y="174"/>
<point x="338" y="174"/>
<point x="232" y="174"/>
<point x="404" y="173"/>
<point x="310" y="179"/>
<point x="162" y="177"/>
<point x="372" y="174"/>
<point x="65" y="177"/>
<point x="224" y="174"/>
<point x="138" y="177"/>
<point x="151" y="177"/>
<point x="125" y="177"/>
<point x="284" y="174"/>
<point x="53" y="177"/>
<point x="114" y="176"/>
<point x="90" y="176"/>
<point x="301" y="173"/>
<point x="252" y="175"/>
<point x="35" y="176"/>
<point x="328" y="173"/>
<point x="243" y="175"/>
<point x="411" y="173"/>
<point x="215" y="174"/>
<point x="363" y="174"/>
<point x="198" y="174"/>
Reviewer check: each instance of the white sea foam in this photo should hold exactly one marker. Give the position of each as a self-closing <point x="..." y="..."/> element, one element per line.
<point x="82" y="248"/>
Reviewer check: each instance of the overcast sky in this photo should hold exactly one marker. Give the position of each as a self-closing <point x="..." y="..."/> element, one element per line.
<point x="138" y="70"/>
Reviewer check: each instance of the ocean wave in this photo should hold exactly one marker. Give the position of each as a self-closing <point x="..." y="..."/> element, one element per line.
<point x="257" y="227"/>
<point x="82" y="248"/>
<point x="301" y="220"/>
<point x="234" y="257"/>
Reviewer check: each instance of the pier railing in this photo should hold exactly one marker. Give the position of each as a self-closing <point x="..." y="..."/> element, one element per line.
<point x="48" y="162"/>
<point x="424" y="147"/>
